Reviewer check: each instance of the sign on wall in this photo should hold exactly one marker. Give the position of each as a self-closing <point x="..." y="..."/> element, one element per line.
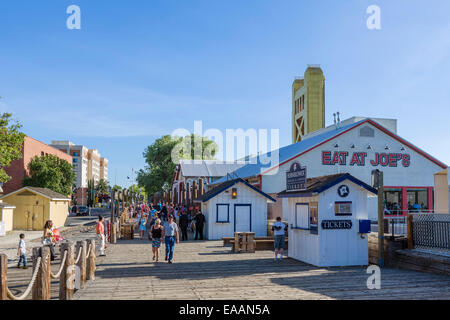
<point x="343" y="191"/>
<point x="296" y="178"/>
<point x="336" y="224"/>
<point x="359" y="159"/>
<point x="343" y="208"/>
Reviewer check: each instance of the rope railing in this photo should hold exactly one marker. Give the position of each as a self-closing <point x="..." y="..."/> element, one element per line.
<point x="63" y="261"/>
<point x="30" y="285"/>
<point x="40" y="282"/>
<point x="88" y="251"/>
<point x="79" y="255"/>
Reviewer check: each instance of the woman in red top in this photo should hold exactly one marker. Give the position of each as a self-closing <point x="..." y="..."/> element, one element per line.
<point x="101" y="235"/>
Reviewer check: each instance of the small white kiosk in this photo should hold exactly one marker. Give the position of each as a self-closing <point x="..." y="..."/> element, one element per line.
<point x="234" y="206"/>
<point x="328" y="218"/>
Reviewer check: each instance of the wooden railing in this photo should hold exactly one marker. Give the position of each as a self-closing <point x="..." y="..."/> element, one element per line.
<point x="39" y="285"/>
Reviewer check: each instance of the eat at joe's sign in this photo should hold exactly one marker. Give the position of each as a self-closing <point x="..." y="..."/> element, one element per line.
<point x="360" y="159"/>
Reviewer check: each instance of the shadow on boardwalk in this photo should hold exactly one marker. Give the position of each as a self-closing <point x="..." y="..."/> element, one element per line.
<point x="207" y="270"/>
<point x="201" y="269"/>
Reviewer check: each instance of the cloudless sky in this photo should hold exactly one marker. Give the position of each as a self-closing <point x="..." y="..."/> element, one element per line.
<point x="140" y="69"/>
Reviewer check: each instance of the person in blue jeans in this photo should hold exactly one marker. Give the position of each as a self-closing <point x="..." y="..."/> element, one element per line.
<point x="171" y="236"/>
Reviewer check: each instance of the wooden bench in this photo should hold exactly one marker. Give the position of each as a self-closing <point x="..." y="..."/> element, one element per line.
<point x="261" y="243"/>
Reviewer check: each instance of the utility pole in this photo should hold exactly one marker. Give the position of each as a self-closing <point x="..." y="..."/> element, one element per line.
<point x="377" y="182"/>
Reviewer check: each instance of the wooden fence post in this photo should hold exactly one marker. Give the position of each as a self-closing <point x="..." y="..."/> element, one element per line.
<point x="3" y="277"/>
<point x="409" y="225"/>
<point x="200" y="187"/>
<point x="82" y="245"/>
<point x="188" y="194"/>
<point x="194" y="190"/>
<point x="90" y="272"/>
<point x="67" y="278"/>
<point x="46" y="279"/>
<point x="41" y="289"/>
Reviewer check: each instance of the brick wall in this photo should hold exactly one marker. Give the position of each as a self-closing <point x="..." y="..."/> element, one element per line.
<point x="19" y="168"/>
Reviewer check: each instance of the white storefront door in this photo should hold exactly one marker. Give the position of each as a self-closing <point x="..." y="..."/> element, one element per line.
<point x="242" y="217"/>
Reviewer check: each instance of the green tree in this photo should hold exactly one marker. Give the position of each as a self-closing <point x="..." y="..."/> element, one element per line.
<point x="102" y="186"/>
<point x="163" y="155"/>
<point x="50" y="172"/>
<point x="11" y="143"/>
<point x="116" y="187"/>
<point x="136" y="189"/>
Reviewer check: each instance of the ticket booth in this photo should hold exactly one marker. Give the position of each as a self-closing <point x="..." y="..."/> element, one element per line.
<point x="328" y="219"/>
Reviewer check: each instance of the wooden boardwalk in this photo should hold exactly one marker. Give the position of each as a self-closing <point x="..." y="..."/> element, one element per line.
<point x="207" y="270"/>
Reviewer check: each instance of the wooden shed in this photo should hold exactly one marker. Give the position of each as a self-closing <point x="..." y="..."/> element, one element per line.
<point x="6" y="217"/>
<point x="34" y="206"/>
<point x="328" y="221"/>
<point x="234" y="206"/>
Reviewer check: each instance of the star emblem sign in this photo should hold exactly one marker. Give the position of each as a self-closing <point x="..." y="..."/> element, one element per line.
<point x="343" y="191"/>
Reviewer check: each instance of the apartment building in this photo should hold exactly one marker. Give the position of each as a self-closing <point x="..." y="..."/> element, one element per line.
<point x="94" y="165"/>
<point x="80" y="160"/>
<point x="19" y="168"/>
<point x="104" y="169"/>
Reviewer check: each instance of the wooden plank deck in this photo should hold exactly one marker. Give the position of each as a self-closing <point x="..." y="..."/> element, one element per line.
<point x="207" y="270"/>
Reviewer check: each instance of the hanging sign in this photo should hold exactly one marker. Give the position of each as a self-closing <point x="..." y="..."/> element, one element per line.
<point x="296" y="178"/>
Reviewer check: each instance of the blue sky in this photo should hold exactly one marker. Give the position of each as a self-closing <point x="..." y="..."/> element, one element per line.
<point x="140" y="69"/>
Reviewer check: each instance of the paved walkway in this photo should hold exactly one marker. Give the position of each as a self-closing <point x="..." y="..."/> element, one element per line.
<point x="207" y="270"/>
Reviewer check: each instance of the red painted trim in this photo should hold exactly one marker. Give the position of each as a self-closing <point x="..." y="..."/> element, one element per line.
<point x="393" y="135"/>
<point x="407" y="187"/>
<point x="396" y="137"/>
<point x="430" y="200"/>
<point x="404" y="202"/>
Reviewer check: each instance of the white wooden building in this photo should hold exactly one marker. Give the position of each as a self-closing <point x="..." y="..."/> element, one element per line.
<point x="412" y="177"/>
<point x="190" y="171"/>
<point x="324" y="221"/>
<point x="234" y="206"/>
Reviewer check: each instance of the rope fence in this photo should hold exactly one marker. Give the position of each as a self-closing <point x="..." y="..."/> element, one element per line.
<point x="30" y="285"/>
<point x="63" y="261"/>
<point x="40" y="281"/>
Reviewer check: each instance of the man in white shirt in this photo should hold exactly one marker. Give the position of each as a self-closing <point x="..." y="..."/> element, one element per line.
<point x="170" y="235"/>
<point x="279" y="229"/>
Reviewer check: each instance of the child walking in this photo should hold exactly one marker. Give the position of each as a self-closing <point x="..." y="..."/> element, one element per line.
<point x="22" y="251"/>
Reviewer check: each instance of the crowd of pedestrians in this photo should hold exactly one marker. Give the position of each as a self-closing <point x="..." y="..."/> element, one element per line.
<point x="167" y="223"/>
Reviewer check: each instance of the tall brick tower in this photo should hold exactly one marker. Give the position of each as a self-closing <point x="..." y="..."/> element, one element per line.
<point x="308" y="103"/>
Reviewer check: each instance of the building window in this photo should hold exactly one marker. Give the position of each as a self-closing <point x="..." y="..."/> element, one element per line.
<point x="393" y="202"/>
<point x="367" y="132"/>
<point x="75" y="160"/>
<point x="417" y="200"/>
<point x="301" y="216"/>
<point x="42" y="153"/>
<point x="223" y="213"/>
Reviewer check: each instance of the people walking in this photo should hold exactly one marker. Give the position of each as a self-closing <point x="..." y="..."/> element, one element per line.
<point x="156" y="237"/>
<point x="22" y="252"/>
<point x="199" y="223"/>
<point x="100" y="229"/>
<point x="48" y="238"/>
<point x="142" y="225"/>
<point x="279" y="229"/>
<point x="171" y="236"/>
<point x="184" y="224"/>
